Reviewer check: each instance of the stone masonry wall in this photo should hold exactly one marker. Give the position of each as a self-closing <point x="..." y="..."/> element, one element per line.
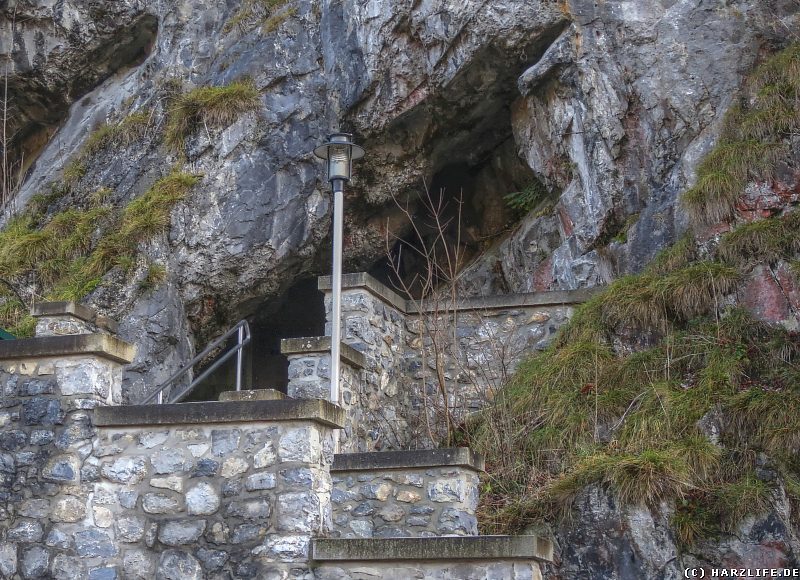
<point x="472" y="347"/>
<point x="376" y="328"/>
<point x="479" y="349"/>
<point x="310" y="378"/>
<point x="405" y="502"/>
<point x="46" y="440"/>
<point x="200" y="501"/>
<point x="241" y="488"/>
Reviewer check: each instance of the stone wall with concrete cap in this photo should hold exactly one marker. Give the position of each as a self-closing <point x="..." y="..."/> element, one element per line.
<point x="374" y="323"/>
<point x="240" y="488"/>
<point x="478" y="343"/>
<point x="207" y="490"/>
<point x="51" y="386"/>
<point x="475" y="558"/>
<point x="310" y="378"/>
<point x="395" y="494"/>
<point x="65" y="318"/>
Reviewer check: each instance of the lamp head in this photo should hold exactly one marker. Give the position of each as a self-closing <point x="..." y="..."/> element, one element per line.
<point x="339" y="152"/>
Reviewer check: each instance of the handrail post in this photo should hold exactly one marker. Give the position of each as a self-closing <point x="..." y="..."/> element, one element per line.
<point x="239" y="359"/>
<point x="242" y="330"/>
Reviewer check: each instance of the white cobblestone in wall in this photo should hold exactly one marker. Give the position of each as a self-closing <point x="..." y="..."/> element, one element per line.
<point x="63" y="325"/>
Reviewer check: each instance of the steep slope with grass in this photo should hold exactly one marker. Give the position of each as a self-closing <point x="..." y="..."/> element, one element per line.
<point x="666" y="416"/>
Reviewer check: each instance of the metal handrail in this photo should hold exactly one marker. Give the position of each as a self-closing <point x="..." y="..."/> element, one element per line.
<point x="243" y="331"/>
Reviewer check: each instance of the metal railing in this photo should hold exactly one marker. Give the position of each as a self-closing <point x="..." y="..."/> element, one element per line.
<point x="242" y="330"/>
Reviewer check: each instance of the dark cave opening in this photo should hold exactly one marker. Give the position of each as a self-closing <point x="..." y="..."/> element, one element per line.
<point x="298" y="312"/>
<point x="459" y="141"/>
<point x="471" y="200"/>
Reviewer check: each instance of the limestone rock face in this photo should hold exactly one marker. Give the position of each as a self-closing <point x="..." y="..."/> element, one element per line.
<point x="616" y="116"/>
<point x="610" y="105"/>
<point x="615" y="541"/>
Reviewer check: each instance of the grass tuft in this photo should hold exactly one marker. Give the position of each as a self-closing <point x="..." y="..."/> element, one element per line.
<point x="210" y="107"/>
<point x="733" y="501"/>
<point x="269" y="14"/>
<point x="155" y="276"/>
<point x="127" y="131"/>
<point x="764" y="241"/>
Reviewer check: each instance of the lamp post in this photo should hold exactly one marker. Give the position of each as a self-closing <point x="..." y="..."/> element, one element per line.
<point x="339" y="152"/>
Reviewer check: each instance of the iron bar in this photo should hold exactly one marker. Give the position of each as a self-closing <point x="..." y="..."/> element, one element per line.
<point x="242" y="330"/>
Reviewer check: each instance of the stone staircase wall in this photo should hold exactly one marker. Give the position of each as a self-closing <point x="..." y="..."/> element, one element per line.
<point x="200" y="489"/>
<point x="249" y="487"/>
<point x="396" y="494"/>
<point x="480" y="341"/>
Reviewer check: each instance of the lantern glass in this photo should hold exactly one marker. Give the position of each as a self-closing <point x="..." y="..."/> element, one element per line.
<point x="339" y="152"/>
<point x="339" y="166"/>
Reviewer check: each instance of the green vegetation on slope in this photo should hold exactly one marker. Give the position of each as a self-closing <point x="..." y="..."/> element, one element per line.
<point x="753" y="139"/>
<point x="620" y="397"/>
<point x="66" y="254"/>
<point x="583" y="413"/>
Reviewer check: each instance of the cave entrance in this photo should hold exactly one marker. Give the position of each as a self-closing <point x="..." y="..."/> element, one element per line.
<point x="298" y="312"/>
<point x="471" y="200"/>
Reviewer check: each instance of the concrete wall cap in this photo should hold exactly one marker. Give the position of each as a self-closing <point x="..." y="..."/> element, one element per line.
<point x="521" y="300"/>
<point x="377" y="460"/>
<point x="100" y="345"/>
<point x="364" y="280"/>
<point x="315" y="410"/>
<point x="74" y="309"/>
<point x="433" y="549"/>
<point x="317" y="344"/>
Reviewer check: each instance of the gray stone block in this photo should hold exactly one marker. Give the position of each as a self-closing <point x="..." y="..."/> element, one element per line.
<point x="94" y="543"/>
<point x="180" y="532"/>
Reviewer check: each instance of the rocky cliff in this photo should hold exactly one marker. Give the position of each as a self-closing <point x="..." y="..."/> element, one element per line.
<point x="603" y="108"/>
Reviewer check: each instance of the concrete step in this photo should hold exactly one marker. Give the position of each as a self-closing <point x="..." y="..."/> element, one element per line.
<point x="252" y="395"/>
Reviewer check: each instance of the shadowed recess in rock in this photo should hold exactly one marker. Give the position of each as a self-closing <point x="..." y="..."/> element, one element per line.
<point x="38" y="105"/>
<point x="298" y="312"/>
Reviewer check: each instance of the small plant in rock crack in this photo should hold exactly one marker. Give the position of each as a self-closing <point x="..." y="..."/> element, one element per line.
<point x="156" y="275"/>
<point x="527" y="199"/>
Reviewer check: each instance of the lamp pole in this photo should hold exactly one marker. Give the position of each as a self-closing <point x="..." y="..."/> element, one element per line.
<point x="339" y="151"/>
